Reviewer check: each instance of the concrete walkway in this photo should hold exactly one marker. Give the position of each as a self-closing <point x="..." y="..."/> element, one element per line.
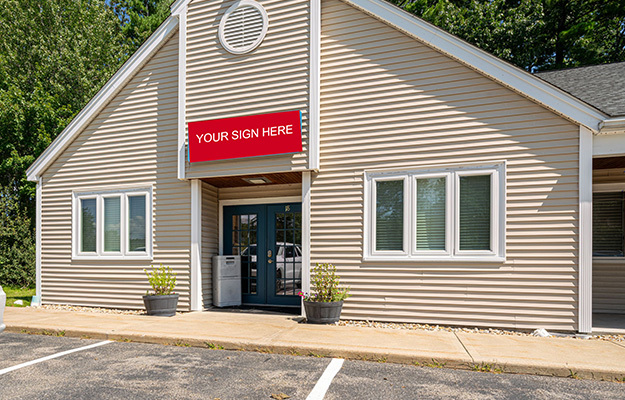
<point x="566" y="357"/>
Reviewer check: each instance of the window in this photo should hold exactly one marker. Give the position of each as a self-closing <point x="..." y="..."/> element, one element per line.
<point x="112" y="224"/>
<point x="453" y="213"/>
<point x="608" y="233"/>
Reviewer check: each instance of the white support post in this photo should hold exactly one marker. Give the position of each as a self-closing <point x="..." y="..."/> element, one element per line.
<point x="38" y="240"/>
<point x="585" y="230"/>
<point x="315" y="85"/>
<point x="196" y="245"/>
<point x="182" y="90"/>
<point x="306" y="184"/>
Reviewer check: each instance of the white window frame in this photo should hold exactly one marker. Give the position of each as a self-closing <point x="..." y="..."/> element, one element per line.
<point x="452" y="253"/>
<point x="100" y="195"/>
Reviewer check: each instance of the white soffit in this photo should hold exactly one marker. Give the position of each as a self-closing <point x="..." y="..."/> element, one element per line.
<point x="500" y="71"/>
<point x="103" y="97"/>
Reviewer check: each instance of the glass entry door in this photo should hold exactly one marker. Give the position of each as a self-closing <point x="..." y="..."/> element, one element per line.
<point x="268" y="237"/>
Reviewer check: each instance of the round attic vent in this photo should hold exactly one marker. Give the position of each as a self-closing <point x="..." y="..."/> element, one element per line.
<point x="243" y="27"/>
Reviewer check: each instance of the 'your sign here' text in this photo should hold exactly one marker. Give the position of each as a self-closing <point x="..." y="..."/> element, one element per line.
<point x="250" y="136"/>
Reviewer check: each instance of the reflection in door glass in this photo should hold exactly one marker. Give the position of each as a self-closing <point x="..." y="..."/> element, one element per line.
<point x="244" y="244"/>
<point x="288" y="251"/>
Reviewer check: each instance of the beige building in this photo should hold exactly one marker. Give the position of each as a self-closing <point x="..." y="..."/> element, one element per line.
<point x="447" y="186"/>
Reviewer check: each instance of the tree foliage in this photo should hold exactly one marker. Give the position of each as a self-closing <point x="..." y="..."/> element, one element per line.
<point x="140" y="18"/>
<point x="533" y="34"/>
<point x="54" y="56"/>
<point x="17" y="243"/>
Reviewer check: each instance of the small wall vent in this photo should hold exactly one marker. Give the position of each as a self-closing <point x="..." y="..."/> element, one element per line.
<point x="243" y="27"/>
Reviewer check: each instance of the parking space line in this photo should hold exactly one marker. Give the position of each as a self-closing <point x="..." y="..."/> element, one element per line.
<point x="322" y="386"/>
<point x="64" y="353"/>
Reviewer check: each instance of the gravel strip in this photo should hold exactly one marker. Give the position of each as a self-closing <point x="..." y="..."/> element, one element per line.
<point x="490" y="331"/>
<point x="65" y="307"/>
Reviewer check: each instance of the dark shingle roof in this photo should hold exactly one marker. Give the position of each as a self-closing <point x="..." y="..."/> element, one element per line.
<point x="601" y="86"/>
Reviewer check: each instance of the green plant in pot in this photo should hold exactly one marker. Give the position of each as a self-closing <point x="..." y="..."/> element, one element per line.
<point x="162" y="301"/>
<point x="324" y="303"/>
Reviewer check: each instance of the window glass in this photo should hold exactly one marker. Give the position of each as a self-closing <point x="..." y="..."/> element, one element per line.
<point x="136" y="223"/>
<point x="112" y="224"/>
<point x="607" y="225"/>
<point x="88" y="228"/>
<point x="431" y="201"/>
<point x="475" y="212"/>
<point x="389" y="215"/>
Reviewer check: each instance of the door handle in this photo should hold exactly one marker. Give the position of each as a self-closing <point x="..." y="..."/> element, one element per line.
<point x="270" y="261"/>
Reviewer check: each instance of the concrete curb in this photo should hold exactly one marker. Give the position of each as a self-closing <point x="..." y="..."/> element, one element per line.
<point x="468" y="364"/>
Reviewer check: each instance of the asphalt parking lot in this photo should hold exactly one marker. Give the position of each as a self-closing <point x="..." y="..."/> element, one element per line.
<point x="145" y="371"/>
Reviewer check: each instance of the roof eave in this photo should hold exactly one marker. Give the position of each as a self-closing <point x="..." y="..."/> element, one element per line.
<point x="102" y="98"/>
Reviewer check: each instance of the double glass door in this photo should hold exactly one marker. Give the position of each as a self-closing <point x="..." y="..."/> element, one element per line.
<point x="268" y="237"/>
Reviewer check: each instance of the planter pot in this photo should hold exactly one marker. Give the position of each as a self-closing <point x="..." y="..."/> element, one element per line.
<point x="3" y="300"/>
<point x="323" y="313"/>
<point x="162" y="306"/>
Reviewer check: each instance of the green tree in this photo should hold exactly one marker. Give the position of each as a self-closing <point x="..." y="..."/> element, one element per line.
<point x="17" y="244"/>
<point x="533" y="34"/>
<point x="54" y="56"/>
<point x="140" y="18"/>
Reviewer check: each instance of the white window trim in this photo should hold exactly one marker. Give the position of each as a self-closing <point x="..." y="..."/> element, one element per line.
<point x="451" y="254"/>
<point x="99" y="195"/>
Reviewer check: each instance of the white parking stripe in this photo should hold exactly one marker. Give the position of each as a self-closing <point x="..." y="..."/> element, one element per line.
<point x="26" y="364"/>
<point x="322" y="386"/>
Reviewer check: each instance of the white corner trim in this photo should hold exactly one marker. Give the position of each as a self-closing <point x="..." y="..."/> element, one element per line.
<point x="182" y="94"/>
<point x="38" y="240"/>
<point x="585" y="230"/>
<point x="102" y="98"/>
<point x="612" y="126"/>
<point x="179" y="7"/>
<point x="489" y="65"/>
<point x="239" y="202"/>
<point x="306" y="207"/>
<point x="314" y="104"/>
<point x="196" y="245"/>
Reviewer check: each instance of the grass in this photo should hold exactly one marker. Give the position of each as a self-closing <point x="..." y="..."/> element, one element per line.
<point x="17" y="293"/>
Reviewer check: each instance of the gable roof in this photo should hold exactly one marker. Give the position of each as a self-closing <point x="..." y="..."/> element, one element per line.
<point x="103" y="97"/>
<point x="601" y="86"/>
<point x="496" y="69"/>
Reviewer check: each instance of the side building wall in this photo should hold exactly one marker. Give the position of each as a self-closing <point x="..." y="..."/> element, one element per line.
<point x="132" y="141"/>
<point x="389" y="101"/>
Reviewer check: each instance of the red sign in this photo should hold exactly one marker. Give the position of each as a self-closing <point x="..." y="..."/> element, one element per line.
<point x="255" y="135"/>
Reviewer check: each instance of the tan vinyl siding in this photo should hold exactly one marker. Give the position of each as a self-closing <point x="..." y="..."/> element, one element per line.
<point x="389" y="101"/>
<point x="254" y="192"/>
<point x="131" y="142"/>
<point x="210" y="240"/>
<point x="273" y="78"/>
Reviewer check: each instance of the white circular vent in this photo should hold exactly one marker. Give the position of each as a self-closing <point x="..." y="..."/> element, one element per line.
<point x="243" y="27"/>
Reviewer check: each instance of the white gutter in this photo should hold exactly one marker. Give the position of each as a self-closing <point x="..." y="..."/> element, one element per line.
<point x="612" y="126"/>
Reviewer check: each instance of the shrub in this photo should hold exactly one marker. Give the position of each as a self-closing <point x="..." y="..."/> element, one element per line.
<point x="162" y="280"/>
<point x="325" y="282"/>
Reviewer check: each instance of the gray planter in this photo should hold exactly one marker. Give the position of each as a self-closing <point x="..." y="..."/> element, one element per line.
<point x="323" y="313"/>
<point x="3" y="300"/>
<point x="162" y="306"/>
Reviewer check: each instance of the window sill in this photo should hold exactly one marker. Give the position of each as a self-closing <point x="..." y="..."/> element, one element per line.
<point x="113" y="258"/>
<point x="434" y="259"/>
